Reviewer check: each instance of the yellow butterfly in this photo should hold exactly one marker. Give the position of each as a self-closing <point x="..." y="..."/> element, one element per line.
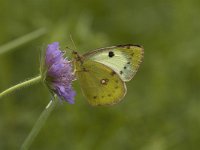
<point x="103" y="72"/>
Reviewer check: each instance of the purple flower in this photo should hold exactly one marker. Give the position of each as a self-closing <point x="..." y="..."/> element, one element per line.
<point x="58" y="73"/>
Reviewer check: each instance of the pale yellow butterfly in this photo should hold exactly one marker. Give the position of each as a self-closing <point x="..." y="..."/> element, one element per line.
<point x="102" y="73"/>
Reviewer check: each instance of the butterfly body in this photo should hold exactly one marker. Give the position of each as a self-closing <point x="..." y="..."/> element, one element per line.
<point x="103" y="72"/>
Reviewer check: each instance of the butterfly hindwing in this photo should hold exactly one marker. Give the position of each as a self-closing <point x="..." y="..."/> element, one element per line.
<point x="123" y="59"/>
<point x="100" y="84"/>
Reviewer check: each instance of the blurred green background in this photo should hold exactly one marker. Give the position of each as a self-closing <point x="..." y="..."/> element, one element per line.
<point x="161" y="110"/>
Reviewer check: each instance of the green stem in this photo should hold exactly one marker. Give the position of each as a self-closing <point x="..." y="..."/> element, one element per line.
<point x="39" y="124"/>
<point x="20" y="85"/>
<point x="22" y="40"/>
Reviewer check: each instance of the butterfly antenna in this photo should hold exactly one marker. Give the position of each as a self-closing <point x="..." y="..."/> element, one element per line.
<point x="69" y="48"/>
<point x="73" y="42"/>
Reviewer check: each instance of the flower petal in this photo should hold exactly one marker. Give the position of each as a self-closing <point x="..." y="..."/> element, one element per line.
<point x="59" y="73"/>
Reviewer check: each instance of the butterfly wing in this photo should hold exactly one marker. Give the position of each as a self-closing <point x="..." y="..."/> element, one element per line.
<point x="100" y="84"/>
<point x="123" y="59"/>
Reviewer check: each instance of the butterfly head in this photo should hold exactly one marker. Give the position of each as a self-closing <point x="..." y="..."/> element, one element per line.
<point x="76" y="56"/>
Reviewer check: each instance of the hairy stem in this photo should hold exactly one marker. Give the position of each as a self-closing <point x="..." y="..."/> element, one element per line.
<point x="20" y="85"/>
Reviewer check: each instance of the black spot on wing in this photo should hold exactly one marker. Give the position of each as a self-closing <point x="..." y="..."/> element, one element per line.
<point x="111" y="54"/>
<point x="112" y="73"/>
<point x="109" y="95"/>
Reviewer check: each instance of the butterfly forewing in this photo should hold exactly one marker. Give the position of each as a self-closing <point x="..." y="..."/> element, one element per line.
<point x="123" y="59"/>
<point x="100" y="84"/>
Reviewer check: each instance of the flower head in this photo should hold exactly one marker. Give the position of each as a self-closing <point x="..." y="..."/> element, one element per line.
<point x="58" y="73"/>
